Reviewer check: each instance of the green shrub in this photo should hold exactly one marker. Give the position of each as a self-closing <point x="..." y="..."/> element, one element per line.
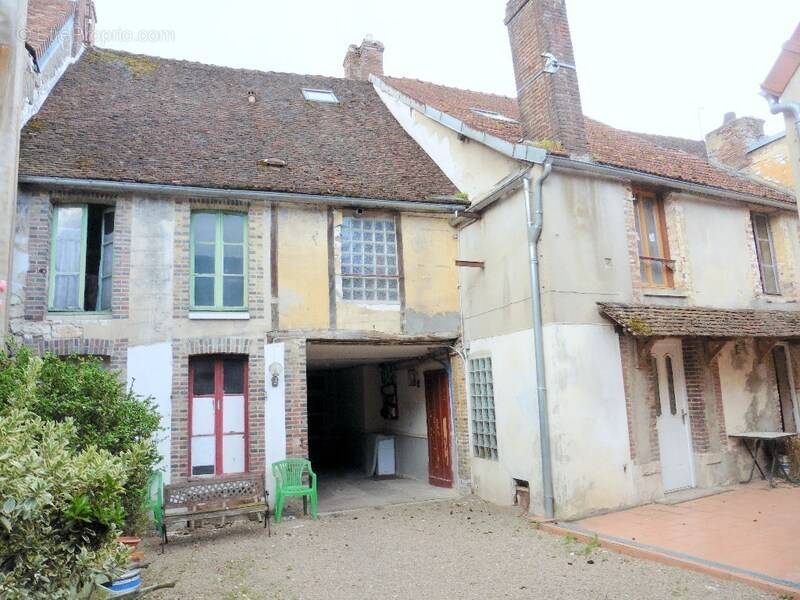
<point x="104" y="413"/>
<point x="60" y="509"/>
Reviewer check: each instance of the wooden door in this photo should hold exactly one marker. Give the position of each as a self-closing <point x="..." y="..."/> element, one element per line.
<point x="437" y="403"/>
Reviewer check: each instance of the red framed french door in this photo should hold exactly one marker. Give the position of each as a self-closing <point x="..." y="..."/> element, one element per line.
<point x="218" y="428"/>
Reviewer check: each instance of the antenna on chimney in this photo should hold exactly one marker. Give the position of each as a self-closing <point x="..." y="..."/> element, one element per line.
<point x="552" y="64"/>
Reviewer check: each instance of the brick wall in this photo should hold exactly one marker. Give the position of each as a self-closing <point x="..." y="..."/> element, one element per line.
<point x="461" y="417"/>
<point x="694" y="373"/>
<point x="633" y="245"/>
<point x="35" y="296"/>
<point x="296" y="391"/>
<point x="363" y="60"/>
<point x="634" y="378"/>
<point x="550" y="107"/>
<point x="182" y="351"/>
<point x="121" y="268"/>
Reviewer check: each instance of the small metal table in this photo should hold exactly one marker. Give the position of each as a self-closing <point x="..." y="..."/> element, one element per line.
<point x="769" y="440"/>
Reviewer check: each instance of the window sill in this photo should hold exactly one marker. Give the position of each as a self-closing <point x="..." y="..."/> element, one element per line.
<point x="219" y="316"/>
<point x="86" y="314"/>
<point x="665" y="292"/>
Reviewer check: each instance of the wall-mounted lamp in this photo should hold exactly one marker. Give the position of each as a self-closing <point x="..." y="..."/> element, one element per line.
<point x="275" y="374"/>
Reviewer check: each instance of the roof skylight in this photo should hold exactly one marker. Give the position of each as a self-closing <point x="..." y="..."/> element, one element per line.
<point x="324" y="96"/>
<point x="493" y="115"/>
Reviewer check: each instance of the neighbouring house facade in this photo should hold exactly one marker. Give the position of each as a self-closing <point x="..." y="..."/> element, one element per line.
<point x="668" y="288"/>
<point x="271" y="259"/>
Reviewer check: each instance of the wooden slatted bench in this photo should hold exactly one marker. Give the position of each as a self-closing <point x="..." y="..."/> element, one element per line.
<point x="223" y="499"/>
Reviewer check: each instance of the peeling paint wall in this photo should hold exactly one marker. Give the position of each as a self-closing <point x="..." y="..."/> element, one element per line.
<point x="771" y="162"/>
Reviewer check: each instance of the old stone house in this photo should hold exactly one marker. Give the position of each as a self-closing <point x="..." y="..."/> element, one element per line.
<point x="659" y="295"/>
<point x="279" y="251"/>
<point x="268" y="255"/>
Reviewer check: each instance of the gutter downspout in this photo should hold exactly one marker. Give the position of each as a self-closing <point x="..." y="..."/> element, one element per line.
<point x="535" y="217"/>
<point x="787" y="108"/>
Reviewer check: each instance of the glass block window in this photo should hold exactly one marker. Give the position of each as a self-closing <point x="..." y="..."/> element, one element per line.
<point x="484" y="429"/>
<point x="369" y="260"/>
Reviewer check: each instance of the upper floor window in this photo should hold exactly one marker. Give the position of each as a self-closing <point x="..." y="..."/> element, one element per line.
<point x="81" y="257"/>
<point x="369" y="260"/>
<point x="324" y="96"/>
<point x="651" y="226"/>
<point x="219" y="266"/>
<point x="765" y="249"/>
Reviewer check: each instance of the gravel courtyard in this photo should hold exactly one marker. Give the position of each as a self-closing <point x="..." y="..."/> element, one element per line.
<point x="451" y="549"/>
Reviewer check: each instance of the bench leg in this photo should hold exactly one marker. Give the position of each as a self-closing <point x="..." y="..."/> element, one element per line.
<point x="313" y="505"/>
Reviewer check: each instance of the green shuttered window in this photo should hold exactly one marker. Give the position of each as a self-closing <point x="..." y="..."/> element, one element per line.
<point x="219" y="261"/>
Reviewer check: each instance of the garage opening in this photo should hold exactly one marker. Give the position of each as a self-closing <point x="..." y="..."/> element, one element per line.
<point x="380" y="428"/>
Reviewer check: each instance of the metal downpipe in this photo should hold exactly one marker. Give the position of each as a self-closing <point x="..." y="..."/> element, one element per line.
<point x="535" y="217"/>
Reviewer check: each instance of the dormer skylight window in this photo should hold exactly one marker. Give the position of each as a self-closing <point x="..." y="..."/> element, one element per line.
<point x="324" y="96"/>
<point x="493" y="115"/>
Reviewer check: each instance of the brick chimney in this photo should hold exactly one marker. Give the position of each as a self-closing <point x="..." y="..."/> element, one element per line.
<point x="728" y="144"/>
<point x="83" y="27"/>
<point x="549" y="99"/>
<point x="361" y="61"/>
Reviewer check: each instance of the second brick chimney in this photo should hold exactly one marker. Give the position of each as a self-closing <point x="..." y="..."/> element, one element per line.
<point x="728" y="144"/>
<point x="361" y="61"/>
<point x="549" y="102"/>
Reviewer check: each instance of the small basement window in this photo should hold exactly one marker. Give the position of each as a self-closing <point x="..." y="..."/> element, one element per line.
<point x="324" y="96"/>
<point x="493" y="115"/>
<point x="81" y="258"/>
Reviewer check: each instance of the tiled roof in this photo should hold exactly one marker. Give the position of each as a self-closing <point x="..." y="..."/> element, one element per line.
<point x="126" y="117"/>
<point x="45" y="20"/>
<point x="786" y="64"/>
<point x="646" y="320"/>
<point x="666" y="156"/>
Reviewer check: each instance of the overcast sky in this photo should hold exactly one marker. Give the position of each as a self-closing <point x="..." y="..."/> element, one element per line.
<point x="660" y="66"/>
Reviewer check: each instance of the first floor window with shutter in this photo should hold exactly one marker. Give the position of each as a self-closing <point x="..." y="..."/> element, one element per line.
<point x="765" y="250"/>
<point x="219" y="261"/>
<point x="81" y="257"/>
<point x="651" y="227"/>
<point x="218" y="416"/>
<point x="484" y="428"/>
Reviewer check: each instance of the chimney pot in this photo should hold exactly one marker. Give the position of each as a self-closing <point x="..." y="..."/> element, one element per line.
<point x="363" y="60"/>
<point x="729" y="116"/>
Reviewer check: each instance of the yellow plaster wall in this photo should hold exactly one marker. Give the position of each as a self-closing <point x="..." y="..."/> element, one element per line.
<point x="771" y="162"/>
<point x="302" y="268"/>
<point x="430" y="248"/>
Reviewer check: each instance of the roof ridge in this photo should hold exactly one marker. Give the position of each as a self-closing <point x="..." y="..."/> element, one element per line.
<point x="449" y="87"/>
<point x="102" y="50"/>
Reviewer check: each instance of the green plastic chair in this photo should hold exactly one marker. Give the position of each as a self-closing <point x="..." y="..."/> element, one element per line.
<point x="154" y="498"/>
<point x="289" y="482"/>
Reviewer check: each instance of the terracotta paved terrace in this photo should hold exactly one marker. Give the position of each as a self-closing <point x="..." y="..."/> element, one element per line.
<point x="752" y="530"/>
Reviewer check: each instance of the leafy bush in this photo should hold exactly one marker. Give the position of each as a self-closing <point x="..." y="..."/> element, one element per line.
<point x="104" y="413"/>
<point x="60" y="508"/>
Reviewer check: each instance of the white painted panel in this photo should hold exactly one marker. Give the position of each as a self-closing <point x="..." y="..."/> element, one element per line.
<point x="150" y="374"/>
<point x="203" y="416"/>
<point x="203" y="452"/>
<point x="232" y="414"/>
<point x="275" y="409"/>
<point x="233" y="453"/>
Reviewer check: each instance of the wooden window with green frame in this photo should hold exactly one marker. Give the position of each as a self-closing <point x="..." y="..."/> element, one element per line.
<point x="219" y="261"/>
<point x="651" y="226"/>
<point x="81" y="258"/>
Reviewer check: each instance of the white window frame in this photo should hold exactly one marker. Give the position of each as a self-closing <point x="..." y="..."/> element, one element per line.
<point x="759" y="255"/>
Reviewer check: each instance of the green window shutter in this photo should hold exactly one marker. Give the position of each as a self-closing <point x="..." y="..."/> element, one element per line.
<point x="68" y="258"/>
<point x="219" y="261"/>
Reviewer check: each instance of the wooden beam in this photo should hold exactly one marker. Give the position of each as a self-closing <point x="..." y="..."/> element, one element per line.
<point x="764" y="347"/>
<point x="713" y="348"/>
<point x="478" y="264"/>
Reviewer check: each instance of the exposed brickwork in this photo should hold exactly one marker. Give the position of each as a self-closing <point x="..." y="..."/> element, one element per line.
<point x="182" y="351"/>
<point x="364" y="60"/>
<point x="35" y="302"/>
<point x="256" y="238"/>
<point x="115" y="350"/>
<point x="676" y="242"/>
<point x="720" y="407"/>
<point x="121" y="268"/>
<point x="550" y="106"/>
<point x="181" y="268"/>
<point x="633" y="245"/>
<point x="728" y="144"/>
<point x="296" y="397"/>
<point x="694" y="367"/>
<point x="630" y="373"/>
<point x="460" y="417"/>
